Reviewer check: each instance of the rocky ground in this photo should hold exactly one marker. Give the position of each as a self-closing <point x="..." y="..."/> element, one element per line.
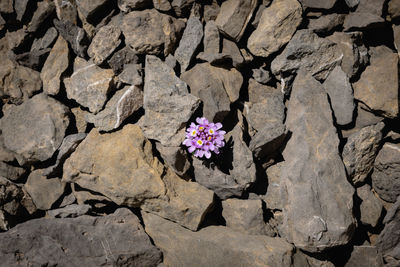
<point x="96" y="97"/>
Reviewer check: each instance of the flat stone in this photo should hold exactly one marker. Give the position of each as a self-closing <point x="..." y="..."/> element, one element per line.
<point x="74" y="35"/>
<point x="273" y="198"/>
<point x="66" y="11"/>
<point x="234" y="16"/>
<point x="129" y="5"/>
<point x="56" y="64"/>
<point x="122" y="57"/>
<point x="20" y="8"/>
<point x="327" y="4"/>
<point x="352" y="3"/>
<point x="162" y="5"/>
<point x="17" y="39"/>
<point x="211" y="40"/>
<point x="386" y="174"/>
<point x="211" y="11"/>
<point x="215" y="246"/>
<point x="232" y="50"/>
<point x="132" y="74"/>
<point x="35" y="137"/>
<point x="340" y="93"/>
<point x="44" y="10"/>
<point x="115" y="239"/>
<point x="313" y="175"/>
<point x="33" y="59"/>
<point x="79" y="116"/>
<point x="46" y="41"/>
<point x="70" y="211"/>
<point x="378" y="85"/>
<point x="104" y="43"/>
<point x="365" y="256"/>
<point x="68" y="200"/>
<point x="175" y="157"/>
<point x="10" y="172"/>
<point x="88" y="9"/>
<point x="122" y="105"/>
<point x="277" y="25"/>
<point x="143" y="31"/>
<point x="6" y="6"/>
<point x="182" y="7"/>
<point x="375" y="7"/>
<point x="326" y="24"/>
<point x="261" y="75"/>
<point x="370" y="208"/>
<point x="396" y="37"/>
<point x="44" y="192"/>
<point x="362" y="21"/>
<point x="259" y="92"/>
<point x="89" y="85"/>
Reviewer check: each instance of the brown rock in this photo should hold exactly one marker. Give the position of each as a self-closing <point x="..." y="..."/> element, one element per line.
<point x="104" y="43"/>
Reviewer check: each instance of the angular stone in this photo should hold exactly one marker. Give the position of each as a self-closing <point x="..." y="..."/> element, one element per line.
<point x="56" y="64"/>
<point x="2" y="23"/>
<point x="89" y="8"/>
<point x="211" y="11"/>
<point x="386" y="175"/>
<point x="17" y="39"/>
<point x="167" y="103"/>
<point x="6" y="6"/>
<point x="340" y="92"/>
<point x="175" y="157"/>
<point x="375" y="7"/>
<point x="352" y="3"/>
<point x="132" y="74"/>
<point x="35" y="129"/>
<point x="360" y="151"/>
<point x="20" y="8"/>
<point x="46" y="41"/>
<point x="261" y="75"/>
<point x="273" y="198"/>
<point x="394" y="9"/>
<point x="309" y="52"/>
<point x="232" y="50"/>
<point x="79" y="116"/>
<point x="211" y="40"/>
<point x="327" y="23"/>
<point x="313" y="175"/>
<point x="326" y="4"/>
<point x="131" y="176"/>
<point x="370" y="208"/>
<point x="122" y="57"/>
<point x="70" y="211"/>
<point x="191" y="38"/>
<point x="123" y="104"/>
<point x="234" y="16"/>
<point x="277" y="25"/>
<point x="362" y="21"/>
<point x="182" y="7"/>
<point x="215" y="246"/>
<point x="74" y="35"/>
<point x="129" y="5"/>
<point x="33" y="59"/>
<point x="115" y="239"/>
<point x="10" y="172"/>
<point x="259" y="92"/>
<point x="216" y="87"/>
<point x="44" y="10"/>
<point x="396" y="37"/>
<point x="378" y="85"/>
<point x="162" y="5"/>
<point x="44" y="192"/>
<point x="365" y="256"/>
<point x="104" y="43"/>
<point x="89" y="85"/>
<point x="151" y="32"/>
<point x="66" y="11"/>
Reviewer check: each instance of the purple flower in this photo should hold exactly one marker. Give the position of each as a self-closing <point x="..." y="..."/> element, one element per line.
<point x="204" y="138"/>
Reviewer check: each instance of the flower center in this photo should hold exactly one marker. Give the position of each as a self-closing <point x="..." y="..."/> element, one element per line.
<point x="199" y="142"/>
<point x="201" y="128"/>
<point x="194" y="132"/>
<point x="211" y="131"/>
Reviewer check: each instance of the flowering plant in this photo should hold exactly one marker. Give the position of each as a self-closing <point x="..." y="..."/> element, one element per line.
<point x="204" y="138"/>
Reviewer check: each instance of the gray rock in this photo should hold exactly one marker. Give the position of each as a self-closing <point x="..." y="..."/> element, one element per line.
<point x="5" y="154"/>
<point x="115" y="239"/>
<point x="170" y="60"/>
<point x="89" y="85"/>
<point x="352" y="3"/>
<point x="362" y="21"/>
<point x="259" y="92"/>
<point x="74" y="35"/>
<point x="261" y="75"/>
<point x="340" y="92"/>
<point x="313" y="175"/>
<point x="2" y="23"/>
<point x="191" y="38"/>
<point x="6" y="6"/>
<point x="234" y="16"/>
<point x="268" y="140"/>
<point x="396" y="37"/>
<point x="124" y="56"/>
<point x="104" y="43"/>
<point x="10" y="172"/>
<point x="388" y="242"/>
<point x="162" y="5"/>
<point x="129" y="5"/>
<point x="79" y="116"/>
<point x="44" y="10"/>
<point x="17" y="39"/>
<point x="365" y="256"/>
<point x="370" y="208"/>
<point x="35" y="137"/>
<point x="232" y="50"/>
<point x="182" y="7"/>
<point x="309" y="52"/>
<point x="143" y="31"/>
<point x="211" y="11"/>
<point x="175" y="157"/>
<point x="68" y="200"/>
<point x="375" y="7"/>
<point x="20" y="8"/>
<point x="70" y="211"/>
<point x="277" y="25"/>
<point x="211" y="41"/>
<point x="394" y="9"/>
<point x="215" y="246"/>
<point x="123" y="104"/>
<point x="44" y="192"/>
<point x="56" y="64"/>
<point x="132" y="74"/>
<point x="46" y="41"/>
<point x="386" y="174"/>
<point x="66" y="11"/>
<point x="260" y="10"/>
<point x="360" y="151"/>
<point x="33" y="59"/>
<point x="273" y="198"/>
<point x="327" y="4"/>
<point x="217" y="60"/>
<point x="167" y="103"/>
<point x="326" y="24"/>
<point x="88" y="9"/>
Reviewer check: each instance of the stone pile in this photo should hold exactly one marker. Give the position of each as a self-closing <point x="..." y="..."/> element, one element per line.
<point x="96" y="96"/>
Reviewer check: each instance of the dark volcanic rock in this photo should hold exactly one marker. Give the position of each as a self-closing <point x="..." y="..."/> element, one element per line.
<point x="124" y="56"/>
<point x="74" y="35"/>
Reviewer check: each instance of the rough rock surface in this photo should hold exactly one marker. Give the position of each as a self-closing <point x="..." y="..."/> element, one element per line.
<point x="74" y="35"/>
<point x="327" y="4"/>
<point x="370" y="208"/>
<point x="365" y="255"/>
<point x="313" y="176"/>
<point x="89" y="8"/>
<point x="70" y="211"/>
<point x="104" y="43"/>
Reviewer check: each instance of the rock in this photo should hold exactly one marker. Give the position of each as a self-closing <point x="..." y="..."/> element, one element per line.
<point x="70" y="211"/>
<point x="396" y="37"/>
<point x="352" y="3"/>
<point x="307" y="51"/>
<point x="313" y="176"/>
<point x="277" y="25"/>
<point x="328" y="4"/>
<point x="68" y="200"/>
<point x="129" y="5"/>
<point x="132" y="74"/>
<point x="175" y="157"/>
<point x="44" y="192"/>
<point x="2" y="23"/>
<point x="122" y="105"/>
<point x="327" y="23"/>
<point x="388" y="242"/>
<point x="20" y="8"/>
<point x="17" y="39"/>
<point x="268" y="140"/>
<point x="360" y="151"/>
<point x="44" y="10"/>
<point x="74" y="35"/>
<point x="259" y="92"/>
<point x="144" y="32"/>
<point x="131" y="176"/>
<point x="244" y="216"/>
<point x="340" y="93"/>
<point x="362" y="21"/>
<point x="191" y="38"/>
<point x="215" y="246"/>
<point x="365" y="256"/>
<point x="162" y="5"/>
<point x="181" y="7"/>
<point x="5" y="154"/>
<point x="33" y="59"/>
<point x="79" y="116"/>
<point x="260" y="10"/>
<point x="375" y="7"/>
<point x="355" y="54"/>
<point x="211" y="11"/>
<point x="89" y="85"/>
<point x="378" y="84"/>
<point x="170" y="60"/>
<point x="56" y="64"/>
<point x="261" y="75"/>
<point x="386" y="174"/>
<point x="10" y="172"/>
<point x="394" y="9"/>
<point x="167" y="103"/>
<point x="89" y="9"/>
<point x="121" y="58"/>
<point x="115" y="239"/>
<point x="234" y="16"/>
<point x="66" y="11"/>
<point x="104" y="43"/>
<point x="217" y="60"/>
<point x="370" y="208"/>
<point x="230" y="48"/>
<point x="37" y="136"/>
<point x="216" y="87"/>
<point x="6" y="6"/>
<point x="211" y="40"/>
<point x="273" y="198"/>
<point x="46" y="41"/>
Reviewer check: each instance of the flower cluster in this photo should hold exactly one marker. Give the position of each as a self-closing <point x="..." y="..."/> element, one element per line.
<point x="204" y="138"/>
